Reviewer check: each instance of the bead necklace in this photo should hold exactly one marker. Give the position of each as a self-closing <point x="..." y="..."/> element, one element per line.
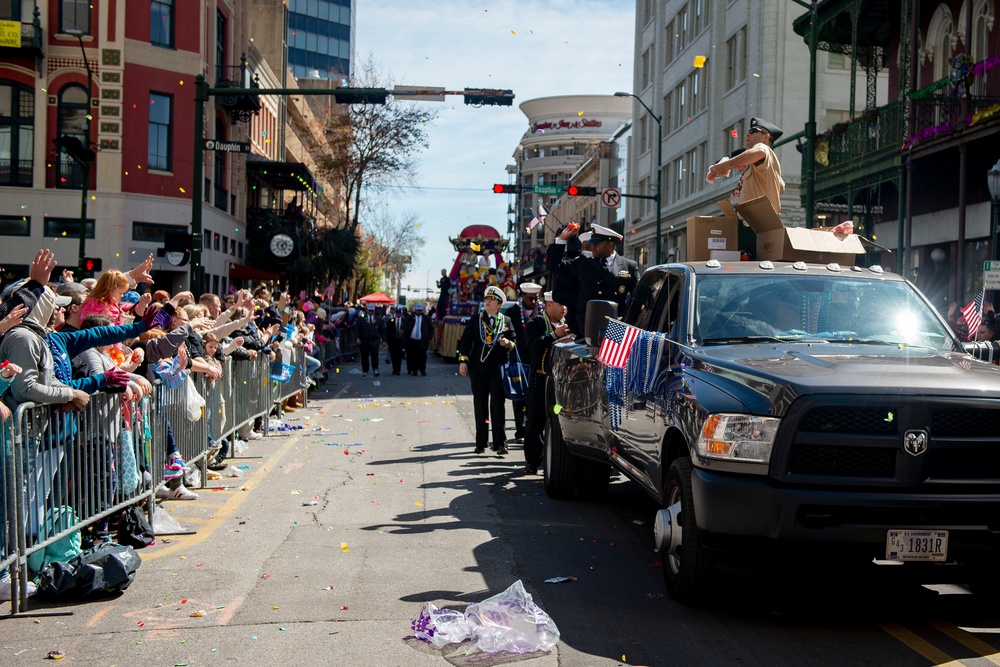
<point x="490" y="335"/>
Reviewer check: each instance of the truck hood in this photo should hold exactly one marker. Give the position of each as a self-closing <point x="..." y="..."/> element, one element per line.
<point x="777" y="373"/>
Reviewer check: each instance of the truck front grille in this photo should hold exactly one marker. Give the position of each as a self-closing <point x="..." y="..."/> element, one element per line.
<point x="842" y="461"/>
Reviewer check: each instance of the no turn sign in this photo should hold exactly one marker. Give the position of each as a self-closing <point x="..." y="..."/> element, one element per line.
<point x="611" y="197"/>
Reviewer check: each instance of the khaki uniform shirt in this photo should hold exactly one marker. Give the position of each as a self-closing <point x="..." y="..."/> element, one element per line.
<point x="764" y="179"/>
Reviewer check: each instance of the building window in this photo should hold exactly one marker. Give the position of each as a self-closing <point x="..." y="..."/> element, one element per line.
<point x="646" y="66"/>
<point x="15" y="225"/>
<point x="734" y="138"/>
<point x="66" y="228"/>
<point x="207" y="233"/>
<point x="160" y="112"/>
<point x="72" y="123"/>
<point x="683" y="26"/>
<point x="736" y="59"/>
<point x="215" y="246"/>
<point x="225" y="244"/>
<point x="668" y="44"/>
<point x="647" y="11"/>
<point x="220" y="41"/>
<point x="74" y="15"/>
<point x="17" y="133"/>
<point x="232" y="247"/>
<point x="239" y="250"/>
<point x="837" y="61"/>
<point x="700" y="10"/>
<point x="643" y="134"/>
<point x="152" y="232"/>
<point x="221" y="194"/>
<point x="161" y="23"/>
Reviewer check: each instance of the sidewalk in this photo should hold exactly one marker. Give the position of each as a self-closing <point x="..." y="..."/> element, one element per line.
<point x="325" y="549"/>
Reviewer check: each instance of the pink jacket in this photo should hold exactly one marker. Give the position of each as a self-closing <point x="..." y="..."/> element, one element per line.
<point x="101" y="307"/>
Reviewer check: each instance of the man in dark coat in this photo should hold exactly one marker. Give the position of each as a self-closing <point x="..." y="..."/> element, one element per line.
<point x="394" y="337"/>
<point x="417" y="332"/>
<point x="598" y="273"/>
<point x="371" y="330"/>
<point x="520" y="314"/>
<point x="444" y="284"/>
<point x="482" y="350"/>
<point x="541" y="333"/>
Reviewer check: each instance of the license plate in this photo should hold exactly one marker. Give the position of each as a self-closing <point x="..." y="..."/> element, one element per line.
<point x="916" y="545"/>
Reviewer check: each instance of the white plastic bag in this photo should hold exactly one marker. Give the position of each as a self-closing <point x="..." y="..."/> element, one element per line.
<point x="512" y="622"/>
<point x="194" y="401"/>
<point x="509" y="621"/>
<point x="164" y="524"/>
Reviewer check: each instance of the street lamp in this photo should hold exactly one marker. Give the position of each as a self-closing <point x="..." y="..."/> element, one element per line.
<point x="993" y="180"/>
<point x="659" y="173"/>
<point x="84" y="165"/>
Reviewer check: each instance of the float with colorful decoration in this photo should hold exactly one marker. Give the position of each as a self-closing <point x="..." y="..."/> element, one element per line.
<point x="479" y="263"/>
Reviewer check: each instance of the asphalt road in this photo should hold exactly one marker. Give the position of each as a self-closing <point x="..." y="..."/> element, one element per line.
<point x="330" y="543"/>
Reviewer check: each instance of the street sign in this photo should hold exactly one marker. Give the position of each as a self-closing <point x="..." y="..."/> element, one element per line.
<point x="611" y="197"/>
<point x="227" y="146"/>
<point x="419" y="93"/>
<point x="10" y="34"/>
<point x="547" y="189"/>
<point x="991" y="275"/>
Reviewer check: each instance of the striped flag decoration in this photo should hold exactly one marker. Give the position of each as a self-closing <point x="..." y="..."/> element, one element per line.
<point x="618" y="340"/>
<point x="973" y="313"/>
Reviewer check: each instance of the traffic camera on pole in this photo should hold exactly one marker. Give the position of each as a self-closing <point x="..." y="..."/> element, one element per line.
<point x="581" y="191"/>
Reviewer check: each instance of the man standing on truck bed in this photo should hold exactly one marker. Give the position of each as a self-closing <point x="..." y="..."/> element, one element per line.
<point x="597" y="273"/>
<point x="760" y="171"/>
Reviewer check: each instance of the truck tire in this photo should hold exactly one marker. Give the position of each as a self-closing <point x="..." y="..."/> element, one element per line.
<point x="687" y="574"/>
<point x="593" y="478"/>
<point x="561" y="467"/>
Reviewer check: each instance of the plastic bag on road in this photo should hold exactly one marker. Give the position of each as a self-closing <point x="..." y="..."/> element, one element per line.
<point x="164" y="524"/>
<point x="509" y="621"/>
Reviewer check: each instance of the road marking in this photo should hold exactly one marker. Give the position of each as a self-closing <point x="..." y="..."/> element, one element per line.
<point x="96" y="618"/>
<point x="920" y="645"/>
<point x="967" y="639"/>
<point x="225" y="511"/>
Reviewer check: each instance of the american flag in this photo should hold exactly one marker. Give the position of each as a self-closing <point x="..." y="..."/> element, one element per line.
<point x="541" y="211"/>
<point x="618" y="340"/>
<point x="973" y="313"/>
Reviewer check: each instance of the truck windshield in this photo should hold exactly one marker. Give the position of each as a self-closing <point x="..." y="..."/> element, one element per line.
<point x="741" y="308"/>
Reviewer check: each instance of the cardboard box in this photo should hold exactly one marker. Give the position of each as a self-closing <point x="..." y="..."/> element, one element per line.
<point x="707" y="234"/>
<point x="792" y="244"/>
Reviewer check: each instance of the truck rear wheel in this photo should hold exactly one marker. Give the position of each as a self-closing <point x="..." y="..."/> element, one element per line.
<point x="686" y="567"/>
<point x="561" y="467"/>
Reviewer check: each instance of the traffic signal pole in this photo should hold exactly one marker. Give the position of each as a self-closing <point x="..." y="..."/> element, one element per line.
<point x="473" y="96"/>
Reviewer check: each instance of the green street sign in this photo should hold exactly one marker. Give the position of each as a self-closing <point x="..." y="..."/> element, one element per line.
<point x="547" y="189"/>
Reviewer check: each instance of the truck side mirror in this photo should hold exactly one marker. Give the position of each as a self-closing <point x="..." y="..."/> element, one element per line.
<point x="597" y="316"/>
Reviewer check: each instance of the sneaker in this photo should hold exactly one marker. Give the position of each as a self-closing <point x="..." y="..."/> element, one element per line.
<point x="502" y="451"/>
<point x="364" y="375"/>
<point x="5" y="584"/>
<point x="254" y="435"/>
<point x="376" y="374"/>
<point x="530" y="469"/>
<point x="480" y="449"/>
<point x="218" y="465"/>
<point x="180" y="493"/>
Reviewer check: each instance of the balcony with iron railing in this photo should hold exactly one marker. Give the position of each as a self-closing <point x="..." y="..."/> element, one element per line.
<point x="16" y="172"/>
<point x="876" y="140"/>
<point x="242" y="107"/>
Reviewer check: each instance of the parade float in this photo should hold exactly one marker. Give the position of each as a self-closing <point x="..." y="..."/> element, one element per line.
<point x="479" y="263"/>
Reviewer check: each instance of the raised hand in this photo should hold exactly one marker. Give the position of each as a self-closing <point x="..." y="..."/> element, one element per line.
<point x="41" y="268"/>
<point x="13" y="318"/>
<point x="141" y="272"/>
<point x="144" y="301"/>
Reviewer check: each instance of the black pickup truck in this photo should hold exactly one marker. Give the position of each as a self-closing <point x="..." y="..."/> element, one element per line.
<point x="799" y="412"/>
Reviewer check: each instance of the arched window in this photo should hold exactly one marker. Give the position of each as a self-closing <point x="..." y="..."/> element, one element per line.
<point x="73" y="107"/>
<point x="982" y="24"/>
<point x="940" y="36"/>
<point x="219" y="181"/>
<point x="17" y="133"/>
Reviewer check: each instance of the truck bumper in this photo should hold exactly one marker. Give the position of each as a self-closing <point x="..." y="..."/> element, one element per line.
<point x="745" y="516"/>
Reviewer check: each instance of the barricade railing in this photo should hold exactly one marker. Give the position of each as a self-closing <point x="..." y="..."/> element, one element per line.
<point x="60" y="470"/>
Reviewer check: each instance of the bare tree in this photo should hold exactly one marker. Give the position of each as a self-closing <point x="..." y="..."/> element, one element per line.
<point x="373" y="146"/>
<point x="392" y="241"/>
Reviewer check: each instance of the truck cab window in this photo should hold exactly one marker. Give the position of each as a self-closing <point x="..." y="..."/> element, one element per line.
<point x="642" y="307"/>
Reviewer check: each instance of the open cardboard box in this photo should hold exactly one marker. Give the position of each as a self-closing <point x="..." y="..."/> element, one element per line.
<point x="713" y="237"/>
<point x="791" y="244"/>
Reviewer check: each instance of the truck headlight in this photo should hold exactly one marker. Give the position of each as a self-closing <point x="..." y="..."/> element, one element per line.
<point x="731" y="437"/>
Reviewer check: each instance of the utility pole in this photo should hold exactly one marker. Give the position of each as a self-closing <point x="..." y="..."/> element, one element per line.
<point x="83" y="163"/>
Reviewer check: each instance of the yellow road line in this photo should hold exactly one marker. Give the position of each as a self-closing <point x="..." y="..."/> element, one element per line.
<point x="920" y="645"/>
<point x="967" y="639"/>
<point x="225" y="511"/>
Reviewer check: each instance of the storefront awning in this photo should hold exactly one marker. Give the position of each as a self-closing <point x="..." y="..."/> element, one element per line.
<point x="282" y="175"/>
<point x="244" y="272"/>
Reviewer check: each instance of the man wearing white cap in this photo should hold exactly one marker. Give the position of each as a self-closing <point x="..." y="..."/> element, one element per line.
<point x="417" y="335"/>
<point x="542" y="332"/>
<point x="520" y="314"/>
<point x="760" y="171"/>
<point x="482" y="350"/>
<point x="599" y="273"/>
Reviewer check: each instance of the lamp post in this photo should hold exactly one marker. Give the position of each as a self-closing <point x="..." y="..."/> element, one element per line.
<point x="658" y="198"/>
<point x="993" y="180"/>
<point x="84" y="165"/>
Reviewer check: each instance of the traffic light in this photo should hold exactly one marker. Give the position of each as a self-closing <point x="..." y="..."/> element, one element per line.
<point x="581" y="191"/>
<point x="92" y="264"/>
<point x="489" y="97"/>
<point x="360" y="95"/>
<point x="501" y="189"/>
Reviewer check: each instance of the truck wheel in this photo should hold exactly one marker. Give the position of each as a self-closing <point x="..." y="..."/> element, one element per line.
<point x="593" y="478"/>
<point x="561" y="467"/>
<point x="686" y="568"/>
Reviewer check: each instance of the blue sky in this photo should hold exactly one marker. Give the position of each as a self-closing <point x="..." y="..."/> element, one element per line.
<point x="537" y="49"/>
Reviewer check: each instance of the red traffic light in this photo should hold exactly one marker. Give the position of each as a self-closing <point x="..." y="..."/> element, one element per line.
<point x="500" y="189"/>
<point x="581" y="191"/>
